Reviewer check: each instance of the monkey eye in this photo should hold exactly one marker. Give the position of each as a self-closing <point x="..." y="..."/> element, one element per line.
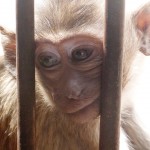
<point x="80" y="54"/>
<point x="48" y="60"/>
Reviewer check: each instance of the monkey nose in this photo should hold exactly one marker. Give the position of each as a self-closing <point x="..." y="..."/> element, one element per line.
<point x="75" y="95"/>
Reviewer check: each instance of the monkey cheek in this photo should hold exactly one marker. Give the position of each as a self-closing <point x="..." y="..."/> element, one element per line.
<point x="86" y="114"/>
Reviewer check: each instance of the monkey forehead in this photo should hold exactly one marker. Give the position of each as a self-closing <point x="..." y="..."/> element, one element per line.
<point x="56" y="19"/>
<point x="61" y="35"/>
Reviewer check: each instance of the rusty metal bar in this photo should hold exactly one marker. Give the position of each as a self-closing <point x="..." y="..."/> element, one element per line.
<point x="26" y="74"/>
<point x="111" y="77"/>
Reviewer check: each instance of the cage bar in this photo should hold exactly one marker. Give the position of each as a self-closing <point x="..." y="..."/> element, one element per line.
<point x="26" y="74"/>
<point x="111" y="75"/>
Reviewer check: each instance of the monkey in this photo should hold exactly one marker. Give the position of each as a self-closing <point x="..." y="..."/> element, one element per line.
<point x="69" y="54"/>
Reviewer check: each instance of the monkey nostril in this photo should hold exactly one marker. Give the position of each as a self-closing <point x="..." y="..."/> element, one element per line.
<point x="71" y="97"/>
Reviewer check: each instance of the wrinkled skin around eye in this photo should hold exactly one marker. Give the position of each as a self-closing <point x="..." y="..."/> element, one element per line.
<point x="48" y="60"/>
<point x="81" y="54"/>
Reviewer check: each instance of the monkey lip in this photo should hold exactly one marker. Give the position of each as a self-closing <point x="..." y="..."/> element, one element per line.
<point x="73" y="105"/>
<point x="87" y="113"/>
<point x="91" y="105"/>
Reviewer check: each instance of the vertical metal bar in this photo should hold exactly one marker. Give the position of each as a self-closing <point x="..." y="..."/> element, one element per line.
<point x="26" y="75"/>
<point x="111" y="78"/>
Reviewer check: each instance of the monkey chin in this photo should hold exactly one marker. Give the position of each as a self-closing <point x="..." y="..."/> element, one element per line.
<point x="86" y="114"/>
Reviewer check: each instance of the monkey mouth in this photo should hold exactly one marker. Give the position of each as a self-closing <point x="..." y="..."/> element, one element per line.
<point x="87" y="113"/>
<point x="72" y="106"/>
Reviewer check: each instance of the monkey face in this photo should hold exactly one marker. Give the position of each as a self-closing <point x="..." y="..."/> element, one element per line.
<point x="70" y="70"/>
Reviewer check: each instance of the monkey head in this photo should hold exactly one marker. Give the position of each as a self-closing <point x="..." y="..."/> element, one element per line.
<point x="70" y="70"/>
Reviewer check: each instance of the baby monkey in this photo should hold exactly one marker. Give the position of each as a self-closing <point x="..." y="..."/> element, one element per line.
<point x="69" y="55"/>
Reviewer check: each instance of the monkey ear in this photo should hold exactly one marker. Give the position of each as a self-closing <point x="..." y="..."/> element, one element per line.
<point x="8" y="40"/>
<point x="142" y="22"/>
